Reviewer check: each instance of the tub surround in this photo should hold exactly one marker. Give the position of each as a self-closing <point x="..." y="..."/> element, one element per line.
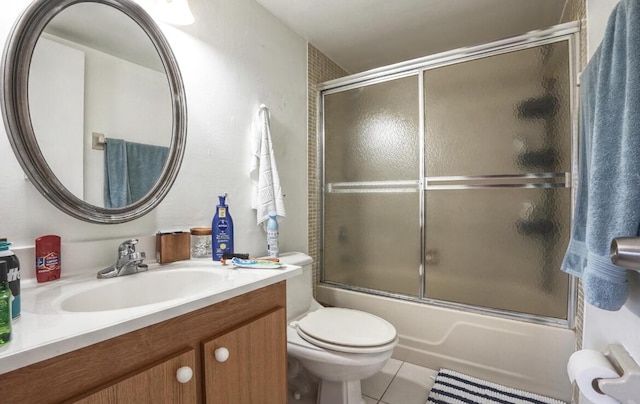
<point x="44" y="330"/>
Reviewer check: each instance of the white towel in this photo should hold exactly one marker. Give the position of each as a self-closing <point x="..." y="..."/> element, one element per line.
<point x="267" y="192"/>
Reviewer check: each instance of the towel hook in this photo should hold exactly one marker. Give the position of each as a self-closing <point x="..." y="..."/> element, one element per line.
<point x="266" y="109"/>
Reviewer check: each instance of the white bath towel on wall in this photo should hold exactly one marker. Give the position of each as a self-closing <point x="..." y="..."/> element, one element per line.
<point x="267" y="192"/>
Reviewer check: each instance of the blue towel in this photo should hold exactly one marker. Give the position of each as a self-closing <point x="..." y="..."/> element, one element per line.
<point x="144" y="167"/>
<point x="131" y="170"/>
<point x="608" y="198"/>
<point x="116" y="185"/>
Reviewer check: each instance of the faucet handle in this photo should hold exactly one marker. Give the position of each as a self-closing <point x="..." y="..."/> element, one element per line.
<point x="137" y="256"/>
<point x="127" y="247"/>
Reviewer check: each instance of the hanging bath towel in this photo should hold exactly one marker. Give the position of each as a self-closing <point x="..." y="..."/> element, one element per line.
<point x="267" y="193"/>
<point x="116" y="179"/>
<point x="131" y="170"/>
<point x="145" y="163"/>
<point x="608" y="199"/>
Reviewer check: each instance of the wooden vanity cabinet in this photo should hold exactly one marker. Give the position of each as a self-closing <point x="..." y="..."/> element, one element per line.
<point x="157" y="384"/>
<point x="140" y="367"/>
<point x="248" y="364"/>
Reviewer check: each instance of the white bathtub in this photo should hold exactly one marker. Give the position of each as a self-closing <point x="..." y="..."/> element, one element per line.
<point x="513" y="353"/>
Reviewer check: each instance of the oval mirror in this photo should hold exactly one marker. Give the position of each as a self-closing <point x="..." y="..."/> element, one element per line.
<point x="94" y="107"/>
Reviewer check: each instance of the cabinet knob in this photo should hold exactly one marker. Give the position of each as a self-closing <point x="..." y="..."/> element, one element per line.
<point x="221" y="354"/>
<point x="184" y="374"/>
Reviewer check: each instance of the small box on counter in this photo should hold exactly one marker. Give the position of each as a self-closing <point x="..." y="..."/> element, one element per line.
<point x="173" y="246"/>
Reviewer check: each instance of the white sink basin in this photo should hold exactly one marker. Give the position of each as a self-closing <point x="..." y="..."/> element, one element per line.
<point x="141" y="289"/>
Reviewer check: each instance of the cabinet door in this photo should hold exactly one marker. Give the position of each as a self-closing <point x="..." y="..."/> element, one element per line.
<point x="158" y="384"/>
<point x="256" y="368"/>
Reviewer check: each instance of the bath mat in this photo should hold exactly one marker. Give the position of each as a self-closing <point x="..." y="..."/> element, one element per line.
<point x="456" y="388"/>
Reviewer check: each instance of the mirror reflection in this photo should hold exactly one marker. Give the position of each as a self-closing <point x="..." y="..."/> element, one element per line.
<point x="100" y="105"/>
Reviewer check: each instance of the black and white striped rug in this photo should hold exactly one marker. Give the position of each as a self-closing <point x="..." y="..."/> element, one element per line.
<point x="456" y="388"/>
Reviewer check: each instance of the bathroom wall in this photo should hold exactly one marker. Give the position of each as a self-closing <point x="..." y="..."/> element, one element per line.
<point x="57" y="107"/>
<point x="235" y="57"/>
<point x="604" y="327"/>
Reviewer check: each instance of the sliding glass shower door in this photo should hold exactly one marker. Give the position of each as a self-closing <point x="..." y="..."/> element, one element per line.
<point x="372" y="156"/>
<point x="498" y="154"/>
<point x="450" y="183"/>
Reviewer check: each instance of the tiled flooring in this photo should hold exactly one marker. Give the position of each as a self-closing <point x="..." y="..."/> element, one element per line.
<point x="399" y="383"/>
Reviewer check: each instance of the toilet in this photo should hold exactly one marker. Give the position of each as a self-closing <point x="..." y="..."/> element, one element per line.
<point x="338" y="346"/>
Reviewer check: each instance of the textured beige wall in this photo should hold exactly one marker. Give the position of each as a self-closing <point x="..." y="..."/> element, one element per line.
<point x="319" y="69"/>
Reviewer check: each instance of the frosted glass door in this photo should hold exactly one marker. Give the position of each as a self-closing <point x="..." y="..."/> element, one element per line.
<point x="373" y="241"/>
<point x="497" y="158"/>
<point x="498" y="250"/>
<point x="371" y="200"/>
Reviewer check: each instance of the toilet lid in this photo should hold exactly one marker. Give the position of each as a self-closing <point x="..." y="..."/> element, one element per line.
<point x="337" y="327"/>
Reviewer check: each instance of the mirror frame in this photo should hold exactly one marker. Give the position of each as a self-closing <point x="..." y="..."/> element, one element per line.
<point x="14" y="100"/>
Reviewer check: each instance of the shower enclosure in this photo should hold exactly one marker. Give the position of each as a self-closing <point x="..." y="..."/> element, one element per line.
<point x="447" y="179"/>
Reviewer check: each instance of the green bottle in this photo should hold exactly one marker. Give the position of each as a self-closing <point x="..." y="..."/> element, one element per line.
<point x="5" y="305"/>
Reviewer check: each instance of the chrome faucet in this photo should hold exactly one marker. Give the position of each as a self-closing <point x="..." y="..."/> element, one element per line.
<point x="129" y="261"/>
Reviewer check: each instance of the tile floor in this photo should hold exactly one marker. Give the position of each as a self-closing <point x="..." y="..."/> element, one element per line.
<point x="399" y="383"/>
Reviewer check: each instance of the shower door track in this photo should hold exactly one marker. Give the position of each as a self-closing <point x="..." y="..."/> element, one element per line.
<point x="509" y="315"/>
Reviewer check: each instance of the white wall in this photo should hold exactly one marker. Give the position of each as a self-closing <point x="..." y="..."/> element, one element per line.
<point x="598" y="12"/>
<point x="57" y="109"/>
<point x="604" y="327"/>
<point x="235" y="57"/>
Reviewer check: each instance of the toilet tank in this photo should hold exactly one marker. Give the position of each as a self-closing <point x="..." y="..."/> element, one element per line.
<point x="300" y="287"/>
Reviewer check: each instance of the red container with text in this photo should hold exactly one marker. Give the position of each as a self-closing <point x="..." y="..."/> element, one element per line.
<point x="48" y="262"/>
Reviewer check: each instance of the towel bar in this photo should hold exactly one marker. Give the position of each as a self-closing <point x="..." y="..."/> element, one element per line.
<point x="97" y="141"/>
<point x="625" y="252"/>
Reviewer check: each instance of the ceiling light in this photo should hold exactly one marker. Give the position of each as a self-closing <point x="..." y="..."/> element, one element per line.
<point x="175" y="12"/>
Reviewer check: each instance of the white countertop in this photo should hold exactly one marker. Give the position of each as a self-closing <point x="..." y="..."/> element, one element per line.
<point x="45" y="329"/>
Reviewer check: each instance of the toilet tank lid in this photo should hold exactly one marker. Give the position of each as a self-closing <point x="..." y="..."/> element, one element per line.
<point x="295" y="258"/>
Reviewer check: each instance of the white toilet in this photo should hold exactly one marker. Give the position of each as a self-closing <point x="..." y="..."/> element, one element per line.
<point x="339" y="346"/>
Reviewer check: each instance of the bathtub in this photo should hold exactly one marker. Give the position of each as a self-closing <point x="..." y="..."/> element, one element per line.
<point x="517" y="354"/>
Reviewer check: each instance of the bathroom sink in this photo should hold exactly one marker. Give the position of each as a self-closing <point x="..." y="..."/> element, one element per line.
<point x="141" y="289"/>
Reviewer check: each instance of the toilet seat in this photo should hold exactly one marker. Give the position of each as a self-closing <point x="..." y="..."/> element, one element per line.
<point x="347" y="330"/>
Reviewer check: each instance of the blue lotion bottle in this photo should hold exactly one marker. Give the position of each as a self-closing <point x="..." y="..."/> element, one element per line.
<point x="221" y="230"/>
